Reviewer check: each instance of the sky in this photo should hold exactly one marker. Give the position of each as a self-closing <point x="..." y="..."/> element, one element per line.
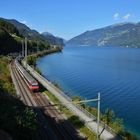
<point x="69" y="18"/>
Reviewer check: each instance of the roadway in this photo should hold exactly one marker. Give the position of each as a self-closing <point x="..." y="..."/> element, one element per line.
<point x="53" y="125"/>
<point x="89" y="121"/>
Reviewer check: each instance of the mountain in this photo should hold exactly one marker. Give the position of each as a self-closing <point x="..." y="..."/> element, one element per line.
<point x="25" y="31"/>
<point x="13" y="32"/>
<point x="8" y="36"/>
<point x="47" y="33"/>
<point x="53" y="39"/>
<point x="123" y="34"/>
<point x="33" y="35"/>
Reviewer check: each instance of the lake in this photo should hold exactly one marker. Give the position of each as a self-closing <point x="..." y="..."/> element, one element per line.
<point x="112" y="71"/>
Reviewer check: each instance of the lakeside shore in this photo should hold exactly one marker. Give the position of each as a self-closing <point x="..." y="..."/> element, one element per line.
<point x="31" y="59"/>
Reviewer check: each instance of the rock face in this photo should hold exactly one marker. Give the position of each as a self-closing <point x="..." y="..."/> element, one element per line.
<point x="123" y="34"/>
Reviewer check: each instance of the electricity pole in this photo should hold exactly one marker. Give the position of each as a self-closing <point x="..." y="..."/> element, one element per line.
<point x="26" y="51"/>
<point x="98" y="117"/>
<point x="37" y="47"/>
<point x="22" y="48"/>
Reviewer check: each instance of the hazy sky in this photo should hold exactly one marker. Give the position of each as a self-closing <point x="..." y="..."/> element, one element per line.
<point x="68" y="18"/>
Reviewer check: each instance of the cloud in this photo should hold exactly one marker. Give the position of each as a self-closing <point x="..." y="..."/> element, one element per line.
<point x="116" y="16"/>
<point x="126" y="17"/>
<point x="24" y="22"/>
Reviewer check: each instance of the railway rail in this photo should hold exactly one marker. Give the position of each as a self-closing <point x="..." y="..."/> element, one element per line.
<point x="45" y="133"/>
<point x="54" y="126"/>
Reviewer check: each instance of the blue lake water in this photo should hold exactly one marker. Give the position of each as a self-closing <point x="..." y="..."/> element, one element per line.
<point x="114" y="72"/>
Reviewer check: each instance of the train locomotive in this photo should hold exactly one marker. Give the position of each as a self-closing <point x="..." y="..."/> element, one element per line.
<point x="30" y="81"/>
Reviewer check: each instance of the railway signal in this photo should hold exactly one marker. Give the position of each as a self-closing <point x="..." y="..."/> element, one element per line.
<point x="22" y="42"/>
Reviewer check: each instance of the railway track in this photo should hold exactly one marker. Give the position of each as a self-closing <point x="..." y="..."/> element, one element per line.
<point x="66" y="125"/>
<point x="45" y="133"/>
<point x="55" y="127"/>
<point x="64" y="128"/>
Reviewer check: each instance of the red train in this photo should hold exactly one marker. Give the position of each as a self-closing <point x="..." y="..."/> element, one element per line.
<point x="30" y="81"/>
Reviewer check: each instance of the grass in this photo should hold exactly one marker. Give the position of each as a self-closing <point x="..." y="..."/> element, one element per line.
<point x="5" y="77"/>
<point x="18" y="120"/>
<point x="78" y="124"/>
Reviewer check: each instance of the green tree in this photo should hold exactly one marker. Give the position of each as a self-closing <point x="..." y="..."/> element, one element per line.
<point x="108" y="116"/>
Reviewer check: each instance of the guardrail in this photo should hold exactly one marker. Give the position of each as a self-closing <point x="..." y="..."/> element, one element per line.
<point x="104" y="125"/>
<point x="86" y="112"/>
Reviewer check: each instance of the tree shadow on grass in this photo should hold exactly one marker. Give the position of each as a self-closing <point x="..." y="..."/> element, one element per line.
<point x="61" y="129"/>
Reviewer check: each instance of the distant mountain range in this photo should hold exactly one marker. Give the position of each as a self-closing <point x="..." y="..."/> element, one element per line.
<point x="12" y="32"/>
<point x="53" y="39"/>
<point x="123" y="35"/>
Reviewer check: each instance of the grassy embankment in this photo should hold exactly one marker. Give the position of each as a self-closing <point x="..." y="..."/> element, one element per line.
<point x="18" y="120"/>
<point x="107" y="117"/>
